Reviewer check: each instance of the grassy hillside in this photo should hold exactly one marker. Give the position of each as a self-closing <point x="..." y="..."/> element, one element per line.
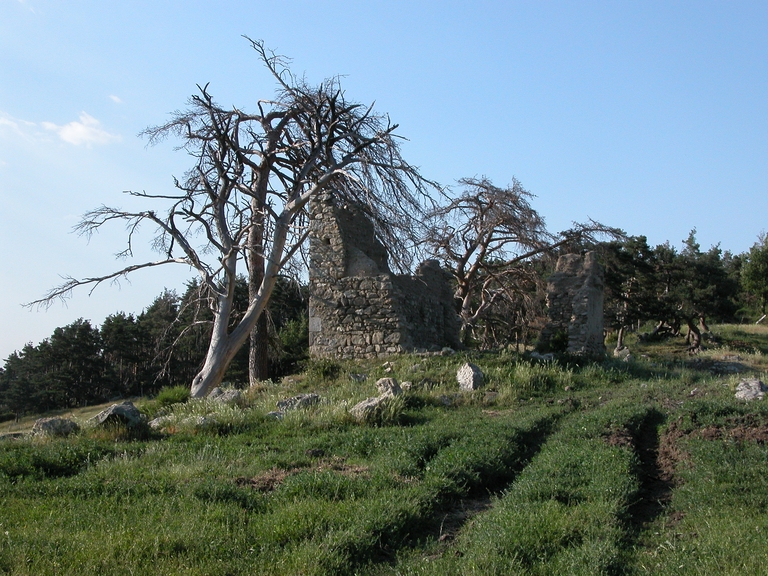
<point x="649" y="466"/>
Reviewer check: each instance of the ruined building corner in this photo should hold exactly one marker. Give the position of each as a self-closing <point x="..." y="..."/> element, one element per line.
<point x="357" y="306"/>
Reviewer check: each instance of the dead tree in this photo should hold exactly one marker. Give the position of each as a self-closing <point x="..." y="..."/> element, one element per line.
<point x="489" y="239"/>
<point x="242" y="206"/>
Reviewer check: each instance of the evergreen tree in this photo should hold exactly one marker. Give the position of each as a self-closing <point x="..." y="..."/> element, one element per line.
<point x="754" y="272"/>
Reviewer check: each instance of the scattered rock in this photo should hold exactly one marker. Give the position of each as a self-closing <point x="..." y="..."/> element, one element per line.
<point x="230" y="396"/>
<point x="358" y="377"/>
<point x="719" y="368"/>
<point x="470" y="377"/>
<point x="55" y="426"/>
<point x="388" y="387"/>
<point x="407" y="385"/>
<point x="622" y="352"/>
<point x="124" y="413"/>
<point x="548" y="357"/>
<point x="160" y="422"/>
<point x="205" y="421"/>
<point x="276" y="414"/>
<point x="416" y="368"/>
<point x="363" y="410"/>
<point x="388" y="368"/>
<point x="750" y="389"/>
<point x="297" y="402"/>
<point x="447" y="351"/>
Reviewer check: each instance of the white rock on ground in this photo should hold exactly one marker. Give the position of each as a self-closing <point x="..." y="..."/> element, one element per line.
<point x="388" y="387"/>
<point x="470" y="377"/>
<point x="750" y="389"/>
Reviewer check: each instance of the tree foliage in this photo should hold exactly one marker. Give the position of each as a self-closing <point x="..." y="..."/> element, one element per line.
<point x="754" y="271"/>
<point x="674" y="288"/>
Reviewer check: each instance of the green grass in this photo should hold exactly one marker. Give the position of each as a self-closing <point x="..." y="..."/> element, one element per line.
<point x="550" y="469"/>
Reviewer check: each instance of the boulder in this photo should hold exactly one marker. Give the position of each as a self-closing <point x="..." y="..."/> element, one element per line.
<point x="621" y="353"/>
<point x="55" y="426"/>
<point x="470" y="377"/>
<point x="297" y="402"/>
<point x="160" y="422"/>
<point x="388" y="387"/>
<point x="750" y="389"/>
<point x="362" y="411"/>
<point x="124" y="413"/>
<point x="229" y="396"/>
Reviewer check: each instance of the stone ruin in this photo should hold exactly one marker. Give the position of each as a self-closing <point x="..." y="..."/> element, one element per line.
<point x="575" y="301"/>
<point x="357" y="306"/>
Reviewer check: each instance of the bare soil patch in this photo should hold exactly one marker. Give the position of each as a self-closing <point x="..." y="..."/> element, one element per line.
<point x="273" y="478"/>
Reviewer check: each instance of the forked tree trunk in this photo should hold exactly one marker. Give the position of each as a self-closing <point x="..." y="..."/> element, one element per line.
<point x="217" y="360"/>
<point x="221" y="349"/>
<point x="224" y="344"/>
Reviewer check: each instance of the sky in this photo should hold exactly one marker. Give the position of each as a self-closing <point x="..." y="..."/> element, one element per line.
<point x="648" y="116"/>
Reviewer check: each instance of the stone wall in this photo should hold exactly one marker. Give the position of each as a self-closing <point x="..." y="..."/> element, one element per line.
<point x="357" y="307"/>
<point x="575" y="301"/>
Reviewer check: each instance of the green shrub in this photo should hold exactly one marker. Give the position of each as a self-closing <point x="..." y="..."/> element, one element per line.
<point x="322" y="370"/>
<point x="172" y="395"/>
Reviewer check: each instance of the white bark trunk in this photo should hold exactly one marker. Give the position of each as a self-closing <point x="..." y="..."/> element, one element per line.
<point x="224" y="345"/>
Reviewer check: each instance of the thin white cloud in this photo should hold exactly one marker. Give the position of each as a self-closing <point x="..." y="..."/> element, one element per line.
<point x="86" y="131"/>
<point x="115" y="99"/>
<point x="19" y="128"/>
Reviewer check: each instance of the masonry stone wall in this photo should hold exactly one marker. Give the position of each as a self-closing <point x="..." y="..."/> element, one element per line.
<point x="575" y="294"/>
<point x="357" y="307"/>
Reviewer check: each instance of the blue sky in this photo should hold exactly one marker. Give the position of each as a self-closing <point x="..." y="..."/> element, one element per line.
<point x="649" y="116"/>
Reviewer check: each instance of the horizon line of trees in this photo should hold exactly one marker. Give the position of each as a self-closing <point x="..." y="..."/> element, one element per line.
<point x="136" y="355"/>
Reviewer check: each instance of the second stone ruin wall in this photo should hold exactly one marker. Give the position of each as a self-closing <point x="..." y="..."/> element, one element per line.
<point x="575" y="294"/>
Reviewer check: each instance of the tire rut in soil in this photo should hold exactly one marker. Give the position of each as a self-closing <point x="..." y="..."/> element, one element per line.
<point x="654" y="473"/>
